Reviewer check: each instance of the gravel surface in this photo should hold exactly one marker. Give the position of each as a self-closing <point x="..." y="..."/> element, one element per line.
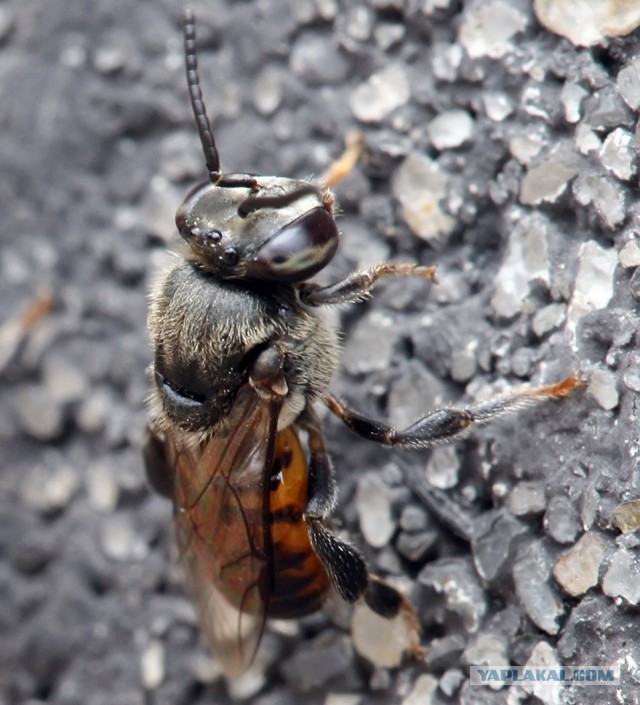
<point x="496" y="148"/>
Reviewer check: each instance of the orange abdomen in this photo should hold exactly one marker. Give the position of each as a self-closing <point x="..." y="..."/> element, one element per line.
<point x="300" y="582"/>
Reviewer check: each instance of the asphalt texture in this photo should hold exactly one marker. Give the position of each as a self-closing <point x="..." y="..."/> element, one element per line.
<point x="533" y="229"/>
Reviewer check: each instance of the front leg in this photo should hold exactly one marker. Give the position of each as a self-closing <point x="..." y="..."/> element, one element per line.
<point x="447" y="423"/>
<point x="356" y="286"/>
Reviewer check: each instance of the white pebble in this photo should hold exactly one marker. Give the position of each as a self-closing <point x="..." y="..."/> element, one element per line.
<point x="617" y="154"/>
<point x="630" y="254"/>
<point x="629" y="84"/>
<point x="593" y="287"/>
<point x="487" y="30"/>
<point x="381" y="641"/>
<point x="374" y="511"/>
<point x="587" y="22"/>
<point x="602" y="386"/>
<point x="380" y="94"/>
<point x="451" y="129"/>
<point x="420" y="186"/>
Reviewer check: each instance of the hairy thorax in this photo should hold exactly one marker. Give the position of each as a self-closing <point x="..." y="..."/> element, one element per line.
<point x="206" y="334"/>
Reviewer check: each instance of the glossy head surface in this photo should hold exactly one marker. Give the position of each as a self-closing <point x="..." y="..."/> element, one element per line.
<point x="260" y="228"/>
<point x="240" y="226"/>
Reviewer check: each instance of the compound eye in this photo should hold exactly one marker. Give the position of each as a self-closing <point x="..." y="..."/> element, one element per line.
<point x="299" y="250"/>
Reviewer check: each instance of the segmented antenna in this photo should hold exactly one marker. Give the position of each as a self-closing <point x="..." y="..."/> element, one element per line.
<point x="212" y="158"/>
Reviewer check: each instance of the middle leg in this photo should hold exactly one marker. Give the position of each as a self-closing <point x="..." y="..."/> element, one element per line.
<point x="448" y="423"/>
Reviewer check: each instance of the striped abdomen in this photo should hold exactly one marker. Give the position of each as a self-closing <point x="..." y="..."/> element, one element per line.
<point x="300" y="582"/>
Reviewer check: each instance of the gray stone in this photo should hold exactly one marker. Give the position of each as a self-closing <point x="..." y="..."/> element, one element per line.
<point x="495" y="540"/>
<point x="531" y="573"/>
<point x="561" y="519"/>
<point x="453" y="581"/>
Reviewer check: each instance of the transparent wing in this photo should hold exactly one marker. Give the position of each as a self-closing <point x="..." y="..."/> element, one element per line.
<point x="221" y="501"/>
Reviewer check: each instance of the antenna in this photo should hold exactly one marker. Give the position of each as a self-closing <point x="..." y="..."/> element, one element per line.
<point x="211" y="156"/>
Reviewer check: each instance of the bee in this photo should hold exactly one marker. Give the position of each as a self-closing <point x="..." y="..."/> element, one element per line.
<point x="242" y="358"/>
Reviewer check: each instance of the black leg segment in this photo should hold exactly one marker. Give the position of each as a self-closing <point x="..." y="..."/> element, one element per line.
<point x="447" y="423"/>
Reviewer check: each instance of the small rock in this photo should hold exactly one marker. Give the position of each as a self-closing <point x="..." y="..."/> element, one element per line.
<point x="593" y="287"/>
<point x="49" y="487"/>
<point x="413" y="519"/>
<point x="110" y="59"/>
<point x="526" y="147"/>
<point x="40" y="415"/>
<point x="420" y="186"/>
<point x="598" y="18"/>
<point x="547" y="181"/>
<point x="572" y="96"/>
<point x="414" y="547"/>
<point x="314" y="664"/>
<point x="423" y="691"/>
<point x="603" y="388"/>
<point x="617" y="154"/>
<point x="463" y="363"/>
<point x="622" y="578"/>
<point x="488" y="650"/>
<point x="548" y="318"/>
<point x="531" y="572"/>
<point x="561" y="520"/>
<point x="443" y="467"/>
<point x="496" y="535"/>
<point x="605" y="195"/>
<point x="451" y="129"/>
<point x="629" y="84"/>
<point x="456" y="581"/>
<point x="630" y="254"/>
<point x="451" y="681"/>
<point x="380" y="679"/>
<point x="445" y="60"/>
<point x="388" y="34"/>
<point x="497" y="106"/>
<point x="64" y="380"/>
<point x="374" y="510"/>
<point x="586" y="139"/>
<point x="101" y="484"/>
<point x="526" y="260"/>
<point x="445" y="652"/>
<point x="577" y="570"/>
<point x="606" y="110"/>
<point x="120" y="540"/>
<point x="319" y="60"/>
<point x="383" y="642"/>
<point x="549" y="692"/>
<point x="527" y="497"/>
<point x="152" y="664"/>
<point x="627" y="516"/>
<point x="631" y="379"/>
<point x="381" y="94"/>
<point x="487" y="30"/>
<point x="267" y="90"/>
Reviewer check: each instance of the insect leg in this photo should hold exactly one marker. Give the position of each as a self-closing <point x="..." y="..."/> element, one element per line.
<point x="343" y="165"/>
<point x="343" y="562"/>
<point x="357" y="286"/>
<point x="322" y="484"/>
<point x="447" y="423"/>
